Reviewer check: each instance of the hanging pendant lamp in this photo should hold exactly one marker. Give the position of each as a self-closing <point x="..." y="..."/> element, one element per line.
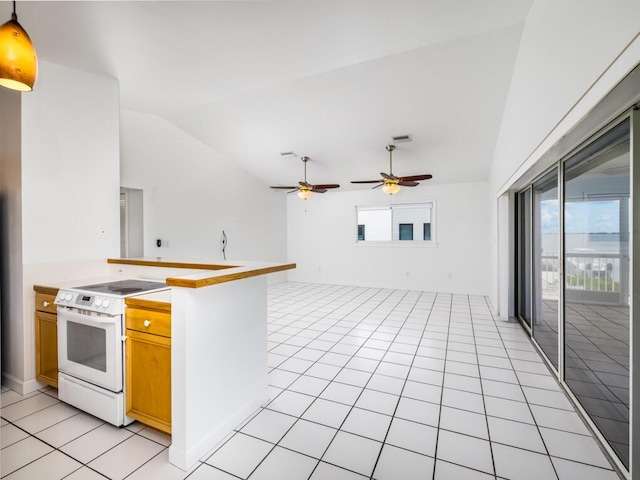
<point x="18" y="60"/>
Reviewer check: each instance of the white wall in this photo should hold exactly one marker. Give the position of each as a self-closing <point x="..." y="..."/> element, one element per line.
<point x="322" y="242"/>
<point x="191" y="194"/>
<point x="571" y="54"/>
<point x="69" y="196"/>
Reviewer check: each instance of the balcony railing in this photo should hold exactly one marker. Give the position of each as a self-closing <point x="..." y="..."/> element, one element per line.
<point x="586" y="272"/>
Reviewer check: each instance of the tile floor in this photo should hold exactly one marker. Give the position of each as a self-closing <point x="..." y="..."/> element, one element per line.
<point x="367" y="383"/>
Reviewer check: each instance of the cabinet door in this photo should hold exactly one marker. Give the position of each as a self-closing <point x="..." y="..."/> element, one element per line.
<point x="148" y="393"/>
<point x="47" y="348"/>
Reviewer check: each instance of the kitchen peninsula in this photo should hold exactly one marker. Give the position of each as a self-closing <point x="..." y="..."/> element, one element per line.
<point x="218" y="345"/>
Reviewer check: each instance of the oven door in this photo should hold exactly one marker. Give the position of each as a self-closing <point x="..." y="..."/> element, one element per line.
<point x="90" y="348"/>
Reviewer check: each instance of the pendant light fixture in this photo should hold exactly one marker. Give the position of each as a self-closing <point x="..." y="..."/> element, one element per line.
<point x="18" y="60"/>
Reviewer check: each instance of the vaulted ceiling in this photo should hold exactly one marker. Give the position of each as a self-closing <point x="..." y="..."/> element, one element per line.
<point x="334" y="80"/>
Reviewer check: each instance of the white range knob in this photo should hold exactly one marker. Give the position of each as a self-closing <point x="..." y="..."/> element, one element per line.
<point x="68" y="296"/>
<point x="106" y="303"/>
<point x="98" y="302"/>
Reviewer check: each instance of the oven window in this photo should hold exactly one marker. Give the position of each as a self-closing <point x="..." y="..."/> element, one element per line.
<point x="87" y="346"/>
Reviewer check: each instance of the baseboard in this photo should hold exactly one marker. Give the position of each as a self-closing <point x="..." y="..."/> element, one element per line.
<point x="20" y="386"/>
<point x="186" y="459"/>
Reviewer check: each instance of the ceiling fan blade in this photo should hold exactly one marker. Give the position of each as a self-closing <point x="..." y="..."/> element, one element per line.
<point x="377" y="186"/>
<point x="387" y="176"/>
<point x="325" y="186"/>
<point x="413" y="178"/>
<point x="319" y="190"/>
<point x="292" y="191"/>
<point x="408" y="184"/>
<point x="283" y="188"/>
<point x="366" y="181"/>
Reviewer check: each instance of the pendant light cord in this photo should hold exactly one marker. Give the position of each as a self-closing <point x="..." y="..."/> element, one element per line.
<point x="14" y="16"/>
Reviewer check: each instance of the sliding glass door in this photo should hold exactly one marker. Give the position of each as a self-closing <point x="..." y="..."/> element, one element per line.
<point x="523" y="257"/>
<point x="597" y="279"/>
<point x="546" y="271"/>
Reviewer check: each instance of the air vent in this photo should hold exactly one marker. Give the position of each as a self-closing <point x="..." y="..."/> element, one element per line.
<point x="401" y="139"/>
<point x="288" y="155"/>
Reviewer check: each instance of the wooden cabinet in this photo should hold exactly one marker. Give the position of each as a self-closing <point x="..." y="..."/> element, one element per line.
<point x="46" y="336"/>
<point x="148" y="365"/>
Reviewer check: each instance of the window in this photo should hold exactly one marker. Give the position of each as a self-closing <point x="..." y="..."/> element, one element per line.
<point x="405" y="231"/>
<point x="395" y="223"/>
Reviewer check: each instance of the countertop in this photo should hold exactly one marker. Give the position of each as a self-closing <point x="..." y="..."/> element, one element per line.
<point x="213" y="272"/>
<point x="156" y="300"/>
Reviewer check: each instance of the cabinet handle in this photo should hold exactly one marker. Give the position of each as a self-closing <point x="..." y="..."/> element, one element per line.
<point x="147" y="323"/>
<point x="45" y="304"/>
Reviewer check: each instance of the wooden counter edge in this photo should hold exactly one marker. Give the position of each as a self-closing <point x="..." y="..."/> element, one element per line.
<point x="146" y="303"/>
<point x="47" y="290"/>
<point x="169" y="264"/>
<point x="205" y="282"/>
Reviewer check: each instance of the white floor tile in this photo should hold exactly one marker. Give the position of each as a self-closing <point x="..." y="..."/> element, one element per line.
<point x="308" y="438"/>
<point x="326" y="412"/>
<point x="3" y="422"/>
<point x="160" y="468"/>
<point x="240" y="455"/>
<point x="323" y="370"/>
<point x="340" y="392"/>
<point x="518" y="464"/>
<point x="510" y="391"/>
<point x="463" y="400"/>
<point x="412" y="436"/>
<point x="418" y="411"/>
<point x="422" y="391"/>
<point x="377" y="401"/>
<point x="282" y="463"/>
<point x="353" y="453"/>
<point x="9" y="397"/>
<point x="69" y="429"/>
<point x="281" y="378"/>
<point x="463" y="421"/>
<point x="394" y="462"/>
<point x="269" y="425"/>
<point x="291" y="403"/>
<point x="20" y="454"/>
<point x="570" y="446"/>
<point x="463" y="450"/>
<point x="539" y="396"/>
<point x="538" y="381"/>
<point x="568" y="470"/>
<point x="426" y="376"/>
<point x="96" y="442"/>
<point x="10" y="434"/>
<point x="498" y="374"/>
<point x="309" y="385"/>
<point x="326" y="471"/>
<point x="54" y="465"/>
<point x="205" y="472"/>
<point x="393" y="370"/>
<point x="559" y="419"/>
<point x="515" y="434"/>
<point x="367" y="424"/>
<point x="449" y="471"/>
<point x="462" y="382"/>
<point x="27" y="406"/>
<point x="383" y="383"/>
<point x="460" y="368"/>
<point x="509" y="409"/>
<point x="356" y="378"/>
<point x="157" y="436"/>
<point x="46" y="417"/>
<point x="84" y="473"/>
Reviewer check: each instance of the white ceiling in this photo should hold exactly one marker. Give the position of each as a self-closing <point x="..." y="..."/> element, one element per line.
<point x="332" y="80"/>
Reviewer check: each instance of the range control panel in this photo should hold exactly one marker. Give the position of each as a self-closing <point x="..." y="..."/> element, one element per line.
<point x="86" y="301"/>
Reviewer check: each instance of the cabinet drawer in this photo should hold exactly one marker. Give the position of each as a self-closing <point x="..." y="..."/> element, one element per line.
<point x="44" y="302"/>
<point x="149" y="321"/>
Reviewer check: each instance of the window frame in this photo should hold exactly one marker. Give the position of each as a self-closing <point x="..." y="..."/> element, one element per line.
<point x="419" y="243"/>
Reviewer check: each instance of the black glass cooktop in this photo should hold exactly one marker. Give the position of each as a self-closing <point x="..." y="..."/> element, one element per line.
<point x="124" y="287"/>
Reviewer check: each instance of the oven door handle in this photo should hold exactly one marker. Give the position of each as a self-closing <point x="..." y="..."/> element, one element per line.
<point x="66" y="314"/>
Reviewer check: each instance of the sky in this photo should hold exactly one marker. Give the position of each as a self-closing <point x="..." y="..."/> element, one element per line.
<point x="600" y="216"/>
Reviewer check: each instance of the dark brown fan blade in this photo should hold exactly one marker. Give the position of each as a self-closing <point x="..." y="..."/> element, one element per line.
<point x="408" y="184"/>
<point x="283" y="188"/>
<point x="414" y="178"/>
<point x="366" y="181"/>
<point x="319" y="190"/>
<point x="325" y="186"/>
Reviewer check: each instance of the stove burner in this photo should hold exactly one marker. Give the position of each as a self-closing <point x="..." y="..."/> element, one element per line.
<point x="123" y="287"/>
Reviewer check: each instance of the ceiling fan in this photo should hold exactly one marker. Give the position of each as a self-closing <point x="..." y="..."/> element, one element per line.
<point x="305" y="189"/>
<point x="389" y="182"/>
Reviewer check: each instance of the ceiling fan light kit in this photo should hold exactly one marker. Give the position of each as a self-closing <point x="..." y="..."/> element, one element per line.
<point x="389" y="182"/>
<point x="18" y="59"/>
<point x="304" y="189"/>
